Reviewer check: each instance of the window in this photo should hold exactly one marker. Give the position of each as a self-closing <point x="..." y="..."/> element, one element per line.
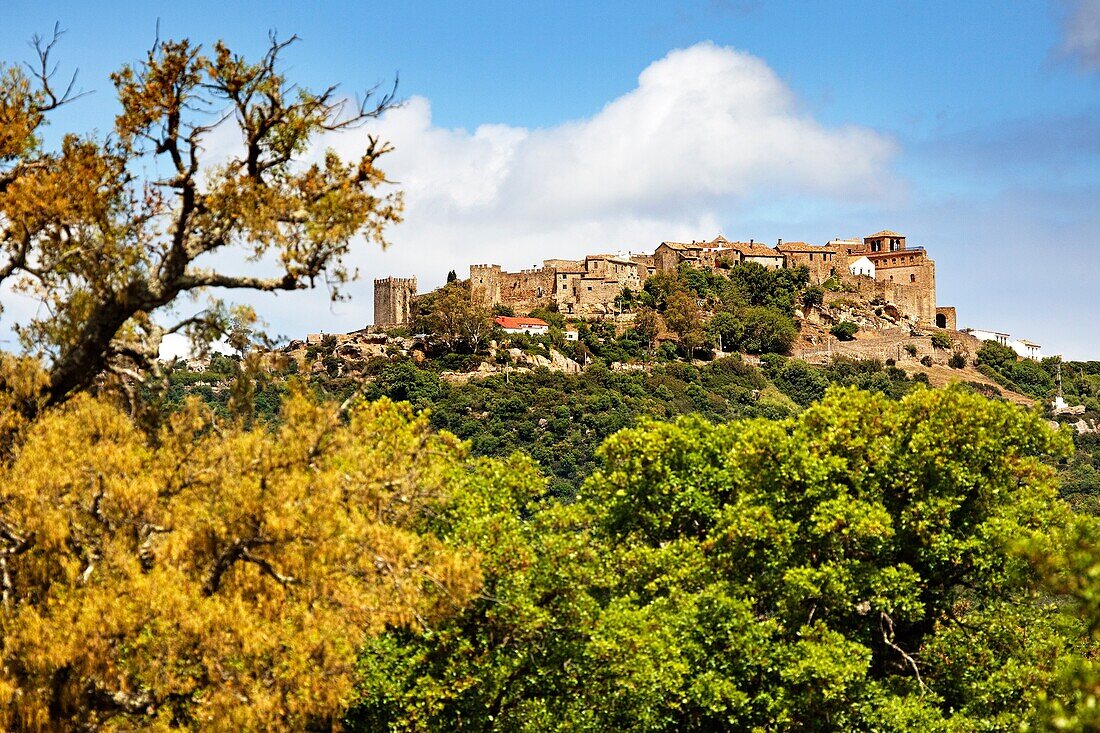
<point x="912" y="278"/>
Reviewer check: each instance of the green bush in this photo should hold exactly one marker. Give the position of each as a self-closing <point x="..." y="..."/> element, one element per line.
<point x="941" y="340"/>
<point x="957" y="360"/>
<point x="814" y="296"/>
<point x="910" y="349"/>
<point x="845" y="330"/>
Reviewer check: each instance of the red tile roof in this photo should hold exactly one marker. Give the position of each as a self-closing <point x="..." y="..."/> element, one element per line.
<point x="509" y="322"/>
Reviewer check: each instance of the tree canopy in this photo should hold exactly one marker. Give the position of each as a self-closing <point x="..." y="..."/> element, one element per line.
<point x="109" y="249"/>
<point x="212" y="576"/>
<point x="848" y="569"/>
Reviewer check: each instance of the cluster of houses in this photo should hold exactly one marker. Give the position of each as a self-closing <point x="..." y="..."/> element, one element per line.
<point x="880" y="266"/>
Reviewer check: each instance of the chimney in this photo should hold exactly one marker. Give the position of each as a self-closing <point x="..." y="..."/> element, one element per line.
<point x="778" y="242"/>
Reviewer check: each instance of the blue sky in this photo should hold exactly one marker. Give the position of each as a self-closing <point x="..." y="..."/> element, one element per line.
<point x="535" y="130"/>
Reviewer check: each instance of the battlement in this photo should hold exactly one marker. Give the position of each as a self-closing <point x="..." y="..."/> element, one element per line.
<point x="393" y="297"/>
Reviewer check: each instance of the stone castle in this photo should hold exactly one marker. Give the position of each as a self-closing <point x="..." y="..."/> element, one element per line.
<point x="880" y="266"/>
<point x="393" y="297"/>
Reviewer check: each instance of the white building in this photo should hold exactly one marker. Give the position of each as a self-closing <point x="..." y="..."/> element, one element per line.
<point x="1027" y="349"/>
<point x="862" y="266"/>
<point x="983" y="335"/>
<point x="529" y="326"/>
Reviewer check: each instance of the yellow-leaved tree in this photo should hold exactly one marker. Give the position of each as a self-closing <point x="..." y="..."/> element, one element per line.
<point x="109" y="233"/>
<point x="211" y="576"/>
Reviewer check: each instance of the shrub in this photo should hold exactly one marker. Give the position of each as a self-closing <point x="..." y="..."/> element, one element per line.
<point x="941" y="340"/>
<point x="910" y="349"/>
<point x="926" y="360"/>
<point x="957" y="360"/>
<point x="845" y="330"/>
<point x="813" y="296"/>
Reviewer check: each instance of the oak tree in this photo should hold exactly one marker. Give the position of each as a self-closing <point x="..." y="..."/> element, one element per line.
<point x="213" y="577"/>
<point x="109" y="233"/>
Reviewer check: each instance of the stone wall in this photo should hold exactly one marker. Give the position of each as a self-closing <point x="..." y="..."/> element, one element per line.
<point x="527" y="289"/>
<point x="589" y="296"/>
<point x="821" y="264"/>
<point x="667" y="259"/>
<point x="485" y="284"/>
<point x="393" y="297"/>
<point x="946" y="318"/>
<point x="914" y="279"/>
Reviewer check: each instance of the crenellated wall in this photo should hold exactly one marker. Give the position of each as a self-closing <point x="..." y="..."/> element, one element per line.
<point x="393" y="298"/>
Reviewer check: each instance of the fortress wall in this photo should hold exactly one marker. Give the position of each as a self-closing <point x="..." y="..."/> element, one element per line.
<point x="485" y="284"/>
<point x="916" y="288"/>
<point x="593" y="296"/>
<point x="821" y="269"/>
<point x="527" y="289"/>
<point x="393" y="297"/>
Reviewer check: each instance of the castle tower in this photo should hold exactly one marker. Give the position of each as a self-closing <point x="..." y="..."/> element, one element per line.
<point x="393" y="297"/>
<point x="485" y="284"/>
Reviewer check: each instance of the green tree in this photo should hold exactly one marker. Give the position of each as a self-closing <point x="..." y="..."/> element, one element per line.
<point x="848" y="569"/>
<point x="726" y="329"/>
<point x="767" y="331"/>
<point x="648" y="324"/>
<point x="456" y="318"/>
<point x="685" y="319"/>
<point x="772" y="288"/>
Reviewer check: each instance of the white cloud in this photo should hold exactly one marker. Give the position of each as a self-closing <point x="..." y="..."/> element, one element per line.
<point x="1081" y="32"/>
<point x="707" y="133"/>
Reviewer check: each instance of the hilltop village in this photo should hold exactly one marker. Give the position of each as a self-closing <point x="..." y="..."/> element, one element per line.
<point x="881" y="282"/>
<point x="881" y="268"/>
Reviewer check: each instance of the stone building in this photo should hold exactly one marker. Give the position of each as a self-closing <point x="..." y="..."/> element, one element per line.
<point x="909" y="269"/>
<point x="821" y="260"/>
<point x="706" y="255"/>
<point x="524" y="289"/>
<point x="896" y="272"/>
<point x="946" y="318"/>
<point x="753" y="251"/>
<point x="393" y="298"/>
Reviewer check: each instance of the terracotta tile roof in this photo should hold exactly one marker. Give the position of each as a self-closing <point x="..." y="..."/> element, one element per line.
<point x="884" y="233"/>
<point x="681" y="245"/>
<point x="804" y="247"/>
<point x="754" y="249"/>
<point x="509" y="322"/>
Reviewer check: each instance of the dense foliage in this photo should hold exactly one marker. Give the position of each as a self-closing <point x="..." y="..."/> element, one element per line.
<point x="212" y="576"/>
<point x="848" y="569"/>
